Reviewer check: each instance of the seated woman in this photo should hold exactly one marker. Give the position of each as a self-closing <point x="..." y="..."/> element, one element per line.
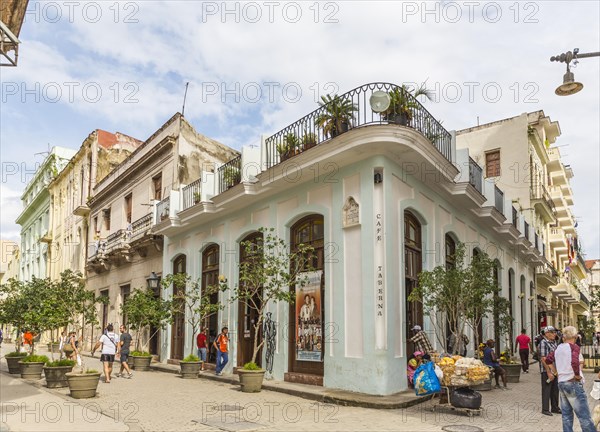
<point x="414" y="362"/>
<point x="490" y="359"/>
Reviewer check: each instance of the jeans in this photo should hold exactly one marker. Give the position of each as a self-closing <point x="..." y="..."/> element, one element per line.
<point x="524" y="354"/>
<point x="202" y="354"/>
<point x="222" y="359"/>
<point x="573" y="398"/>
<point x="549" y="393"/>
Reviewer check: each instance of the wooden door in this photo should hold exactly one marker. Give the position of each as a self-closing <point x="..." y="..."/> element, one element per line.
<point x="178" y="326"/>
<point x="412" y="268"/>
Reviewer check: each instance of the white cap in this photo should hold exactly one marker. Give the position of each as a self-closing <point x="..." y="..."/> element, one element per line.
<point x="417" y="327"/>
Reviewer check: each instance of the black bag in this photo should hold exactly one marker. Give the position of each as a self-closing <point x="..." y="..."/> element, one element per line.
<point x="465" y="398"/>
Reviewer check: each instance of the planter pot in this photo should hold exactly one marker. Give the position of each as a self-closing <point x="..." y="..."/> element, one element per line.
<point x="401" y="119"/>
<point x="486" y="386"/>
<point x="190" y="370"/>
<point x="513" y="372"/>
<point x="140" y="363"/>
<point x="56" y="376"/>
<point x="14" y="366"/>
<point x="54" y="347"/>
<point x="251" y="381"/>
<point x="83" y="386"/>
<point x="32" y="370"/>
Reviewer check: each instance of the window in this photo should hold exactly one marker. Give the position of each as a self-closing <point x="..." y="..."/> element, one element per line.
<point x="104" y="294"/>
<point x="128" y="206"/>
<point x="450" y="252"/>
<point x="125" y="292"/>
<point x="107" y="219"/>
<point x="157" y="187"/>
<point x="95" y="225"/>
<point x="492" y="164"/>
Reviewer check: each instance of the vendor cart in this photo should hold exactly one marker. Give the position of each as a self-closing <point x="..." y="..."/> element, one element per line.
<point x="445" y="401"/>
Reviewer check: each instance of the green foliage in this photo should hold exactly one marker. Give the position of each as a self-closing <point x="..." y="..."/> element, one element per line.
<point x="191" y="301"/>
<point x="403" y="101"/>
<point x="91" y="371"/>
<point x="59" y="363"/>
<point x="140" y="354"/>
<point x="231" y="175"/>
<point x="266" y="273"/>
<point x="16" y="354"/>
<point x="251" y="366"/>
<point x="337" y="112"/>
<point x="144" y="310"/>
<point x="35" y="359"/>
<point x="191" y="358"/>
<point x="289" y="147"/>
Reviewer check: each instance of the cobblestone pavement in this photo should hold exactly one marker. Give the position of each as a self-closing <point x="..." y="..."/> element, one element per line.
<point x="156" y="401"/>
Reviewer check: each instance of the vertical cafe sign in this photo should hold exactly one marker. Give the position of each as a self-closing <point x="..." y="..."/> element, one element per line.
<point x="309" y="326"/>
<point x="379" y="270"/>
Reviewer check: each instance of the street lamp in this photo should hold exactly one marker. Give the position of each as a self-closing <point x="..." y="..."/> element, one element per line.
<point x="569" y="85"/>
<point x="152" y="281"/>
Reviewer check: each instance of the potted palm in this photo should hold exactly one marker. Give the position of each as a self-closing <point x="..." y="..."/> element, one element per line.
<point x="145" y="310"/>
<point x="309" y="140"/>
<point x="55" y="372"/>
<point x="32" y="366"/>
<point x="265" y="276"/>
<point x="289" y="147"/>
<point x="337" y="113"/>
<point x="403" y="103"/>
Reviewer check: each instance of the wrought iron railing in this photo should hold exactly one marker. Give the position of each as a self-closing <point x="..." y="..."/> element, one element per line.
<point x="140" y="227"/>
<point x="539" y="192"/>
<point x="115" y="240"/>
<point x="475" y="175"/>
<point x="230" y="174"/>
<point x="499" y="199"/>
<point x="321" y="125"/>
<point x="526" y="233"/>
<point x="162" y="209"/>
<point x="515" y="218"/>
<point x="191" y="194"/>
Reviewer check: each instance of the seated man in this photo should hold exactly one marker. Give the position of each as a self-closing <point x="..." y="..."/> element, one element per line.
<point x="490" y="359"/>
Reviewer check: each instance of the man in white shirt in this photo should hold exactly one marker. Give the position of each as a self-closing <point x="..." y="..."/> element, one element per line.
<point x="565" y="363"/>
<point x="109" y="342"/>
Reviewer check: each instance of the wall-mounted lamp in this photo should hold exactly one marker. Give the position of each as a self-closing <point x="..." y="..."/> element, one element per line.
<point x="378" y="178"/>
<point x="153" y="281"/>
<point x="222" y="279"/>
<point x="521" y="295"/>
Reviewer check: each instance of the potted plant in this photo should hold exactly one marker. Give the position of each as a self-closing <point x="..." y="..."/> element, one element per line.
<point x="309" y="140"/>
<point x="13" y="360"/>
<point x="190" y="366"/>
<point x="403" y="103"/>
<point x="231" y="176"/>
<point x="337" y="113"/>
<point x="266" y="274"/>
<point x="289" y="147"/>
<point x="84" y="384"/>
<point x="144" y="311"/>
<point x="55" y="372"/>
<point x="32" y="366"/>
<point x="197" y="197"/>
<point x="512" y="367"/>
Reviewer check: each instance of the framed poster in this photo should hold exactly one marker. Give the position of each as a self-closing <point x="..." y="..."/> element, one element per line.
<point x="309" y="328"/>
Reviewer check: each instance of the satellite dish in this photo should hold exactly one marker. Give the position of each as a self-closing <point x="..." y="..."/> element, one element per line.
<point x="379" y="101"/>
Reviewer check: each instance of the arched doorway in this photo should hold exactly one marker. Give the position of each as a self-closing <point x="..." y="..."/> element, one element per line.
<point x="210" y="277"/>
<point x="413" y="263"/>
<point x="306" y="346"/>
<point x="450" y="257"/>
<point x="247" y="316"/>
<point x="178" y="326"/>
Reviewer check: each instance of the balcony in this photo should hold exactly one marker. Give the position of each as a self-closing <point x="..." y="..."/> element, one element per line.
<point x="526" y="230"/>
<point x="230" y="174"/>
<point x="82" y="210"/>
<point x="475" y="175"/>
<point x="319" y="126"/>
<point x="163" y="209"/>
<point x="565" y="291"/>
<point x="546" y="275"/>
<point x="541" y="200"/>
<point x="46" y="237"/>
<point x="499" y="199"/>
<point x="515" y="218"/>
<point x="192" y="194"/>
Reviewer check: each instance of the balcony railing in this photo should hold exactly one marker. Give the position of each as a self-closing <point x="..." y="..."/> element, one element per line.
<point x="320" y="126"/>
<point x="475" y="175"/>
<point x="141" y="226"/>
<point x="162" y="209"/>
<point x="498" y="199"/>
<point x="230" y="174"/>
<point x="191" y="194"/>
<point x="526" y="225"/>
<point x="115" y="240"/>
<point x="539" y="192"/>
<point x="515" y="218"/>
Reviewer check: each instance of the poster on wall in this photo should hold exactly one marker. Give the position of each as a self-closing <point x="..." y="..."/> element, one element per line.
<point x="309" y="328"/>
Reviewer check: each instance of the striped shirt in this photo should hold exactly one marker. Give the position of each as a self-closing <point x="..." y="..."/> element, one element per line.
<point x="546" y="347"/>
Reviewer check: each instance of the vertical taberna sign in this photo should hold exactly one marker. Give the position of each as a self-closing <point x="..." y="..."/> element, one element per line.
<point x="379" y="262"/>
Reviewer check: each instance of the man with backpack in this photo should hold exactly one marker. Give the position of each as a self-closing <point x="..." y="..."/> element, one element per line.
<point x="109" y="342"/>
<point x="221" y="344"/>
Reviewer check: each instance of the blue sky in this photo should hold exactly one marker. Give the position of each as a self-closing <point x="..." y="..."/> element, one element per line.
<point x="148" y="51"/>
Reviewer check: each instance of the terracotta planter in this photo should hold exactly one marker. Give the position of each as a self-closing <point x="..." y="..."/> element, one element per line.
<point x="251" y="380"/>
<point x="140" y="363"/>
<point x="83" y="386"/>
<point x="513" y="372"/>
<point x="14" y="366"/>
<point x="190" y="370"/>
<point x="31" y="370"/>
<point x="56" y="376"/>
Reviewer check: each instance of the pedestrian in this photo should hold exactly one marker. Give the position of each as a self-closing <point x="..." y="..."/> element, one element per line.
<point x="202" y="344"/>
<point x="109" y="343"/>
<point x="221" y="345"/>
<point x="549" y="385"/>
<point x="490" y="359"/>
<point x="564" y="364"/>
<point x="524" y="343"/>
<point x="124" y="346"/>
<point x="61" y="343"/>
<point x="413" y="363"/>
<point x="27" y="341"/>
<point x="421" y="340"/>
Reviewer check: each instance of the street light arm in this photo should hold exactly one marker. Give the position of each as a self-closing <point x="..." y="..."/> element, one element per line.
<point x="568" y="56"/>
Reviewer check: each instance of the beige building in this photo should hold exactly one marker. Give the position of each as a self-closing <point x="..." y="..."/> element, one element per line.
<point x="123" y="250"/>
<point x="518" y="156"/>
<point x="9" y="260"/>
<point x="593" y="278"/>
<point x="70" y="192"/>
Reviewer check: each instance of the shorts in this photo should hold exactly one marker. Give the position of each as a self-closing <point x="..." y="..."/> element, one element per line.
<point x="202" y="354"/>
<point x="124" y="357"/>
<point x="107" y="358"/>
